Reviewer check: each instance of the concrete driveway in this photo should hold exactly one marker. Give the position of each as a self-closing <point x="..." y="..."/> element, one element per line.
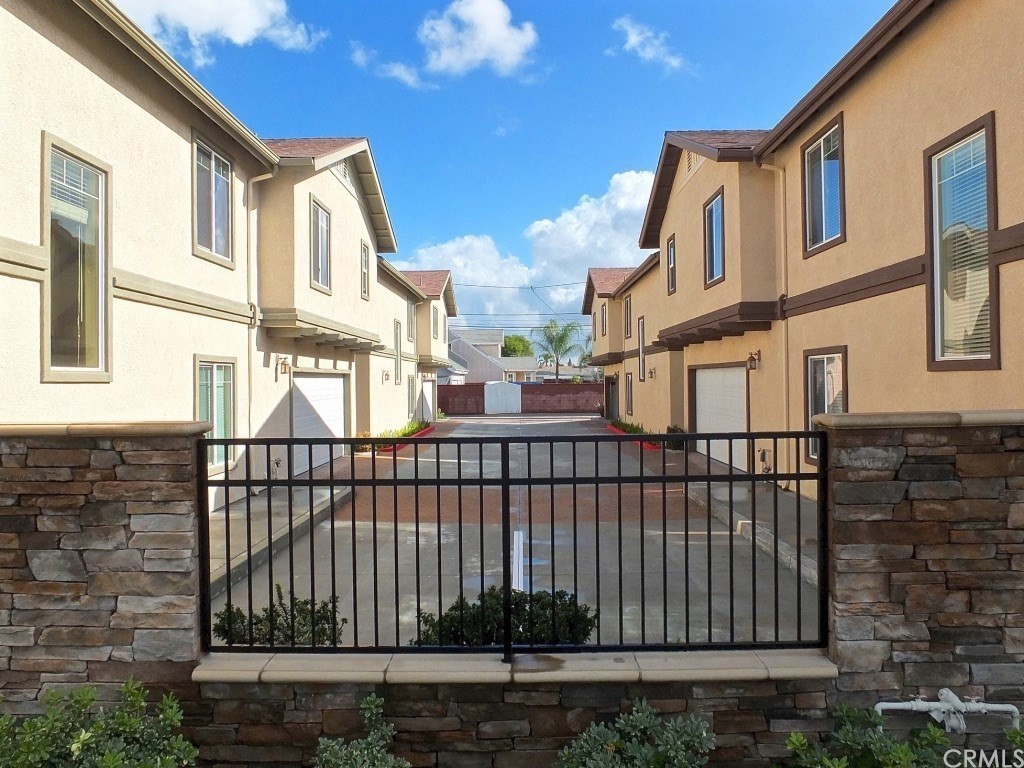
<point x="645" y="554"/>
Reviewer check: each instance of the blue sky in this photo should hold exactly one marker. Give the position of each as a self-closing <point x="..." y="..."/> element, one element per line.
<point x="515" y="139"/>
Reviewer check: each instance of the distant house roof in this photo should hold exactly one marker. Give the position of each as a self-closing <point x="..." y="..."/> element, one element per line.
<point x="603" y="281"/>
<point x="476" y="336"/>
<point x="527" y="363"/>
<point x="322" y="153"/>
<point x="435" y="283"/>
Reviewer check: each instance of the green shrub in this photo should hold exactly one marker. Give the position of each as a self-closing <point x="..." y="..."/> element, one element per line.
<point x="409" y="429"/>
<point x="858" y="743"/>
<point x="639" y="739"/>
<point x="628" y="427"/>
<point x="364" y="435"/>
<point x="675" y="445"/>
<point x="371" y="752"/>
<point x="233" y="626"/>
<point x="480" y="623"/>
<point x="72" y="733"/>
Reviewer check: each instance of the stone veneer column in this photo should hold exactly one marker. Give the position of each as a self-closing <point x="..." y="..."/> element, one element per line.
<point x="927" y="555"/>
<point x="99" y="576"/>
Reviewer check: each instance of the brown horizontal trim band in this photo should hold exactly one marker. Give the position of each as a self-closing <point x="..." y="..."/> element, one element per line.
<point x="610" y="358"/>
<point x="1008" y="244"/>
<point x="744" y="311"/>
<point x="896" y="277"/>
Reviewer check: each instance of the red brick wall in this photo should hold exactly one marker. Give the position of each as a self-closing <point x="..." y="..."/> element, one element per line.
<point x="562" y="398"/>
<point x="461" y="399"/>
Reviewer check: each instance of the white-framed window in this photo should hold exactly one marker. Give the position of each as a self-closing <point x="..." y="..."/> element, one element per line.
<point x="960" y="251"/>
<point x="434" y="320"/>
<point x="410" y="320"/>
<point x="627" y="312"/>
<point x="212" y="202"/>
<point x="671" y="262"/>
<point x="641" y="339"/>
<point x="510" y="377"/>
<point x="825" y="372"/>
<point x="823" y="188"/>
<point x="320" y="246"/>
<point x="364" y="270"/>
<point x="714" y="239"/>
<point x="215" y="403"/>
<point x="411" y="396"/>
<point x="629" y="394"/>
<point x="604" y="319"/>
<point x="398" y="353"/>
<point x="78" y="265"/>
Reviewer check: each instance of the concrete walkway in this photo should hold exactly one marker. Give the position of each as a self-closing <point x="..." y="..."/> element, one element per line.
<point x="646" y="555"/>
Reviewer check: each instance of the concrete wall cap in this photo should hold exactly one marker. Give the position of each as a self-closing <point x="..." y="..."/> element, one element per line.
<point x="109" y="429"/>
<point x="919" y="420"/>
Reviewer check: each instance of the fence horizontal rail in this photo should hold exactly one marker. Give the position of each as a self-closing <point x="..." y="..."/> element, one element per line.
<point x="711" y="540"/>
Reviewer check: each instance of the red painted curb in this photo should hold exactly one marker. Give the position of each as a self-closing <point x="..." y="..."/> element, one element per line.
<point x="399" y="446"/>
<point x="647" y="446"/>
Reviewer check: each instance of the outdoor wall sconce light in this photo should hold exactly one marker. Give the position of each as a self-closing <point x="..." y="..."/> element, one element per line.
<point x="387" y="376"/>
<point x="653" y="373"/>
<point x="753" y="360"/>
<point x="283" y="365"/>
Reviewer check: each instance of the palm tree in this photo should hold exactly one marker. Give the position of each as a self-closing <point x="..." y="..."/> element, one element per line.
<point x="557" y="340"/>
<point x="586" y="352"/>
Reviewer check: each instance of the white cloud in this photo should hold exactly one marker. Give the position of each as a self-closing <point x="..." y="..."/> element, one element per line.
<point x="360" y="55"/>
<point x="365" y="58"/>
<point x="192" y="26"/>
<point x="473" y="33"/>
<point x="596" y="232"/>
<point x="646" y="43"/>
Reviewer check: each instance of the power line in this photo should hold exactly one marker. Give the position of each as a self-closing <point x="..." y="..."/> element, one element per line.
<point x="517" y="287"/>
<point x="507" y="314"/>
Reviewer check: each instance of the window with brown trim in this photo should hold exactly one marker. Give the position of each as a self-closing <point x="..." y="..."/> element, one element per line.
<point x="604" y="319"/>
<point x="641" y="340"/>
<point x="714" y="239"/>
<point x="629" y="394"/>
<point x="823" y="183"/>
<point x="960" y="205"/>
<point x="627" y="312"/>
<point x="671" y="261"/>
<point x="825" y="389"/>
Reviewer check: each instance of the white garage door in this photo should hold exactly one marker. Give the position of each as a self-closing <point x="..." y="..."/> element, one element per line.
<point x="318" y="410"/>
<point x="721" y="395"/>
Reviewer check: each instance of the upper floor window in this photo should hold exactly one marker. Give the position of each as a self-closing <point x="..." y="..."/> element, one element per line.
<point x="364" y="270"/>
<point x="671" y="260"/>
<point x="641" y="340"/>
<point x="410" y="320"/>
<point x="434" y="321"/>
<point x="823" y="189"/>
<point x="825" y="372"/>
<point x="604" y="319"/>
<point x="78" y="265"/>
<point x="213" y="202"/>
<point x="627" y="312"/>
<point x="714" y="239"/>
<point x="961" y="282"/>
<point x="320" y="246"/>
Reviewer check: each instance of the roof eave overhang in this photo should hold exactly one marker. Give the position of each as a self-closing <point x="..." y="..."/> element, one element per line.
<point x="900" y="17"/>
<point x="397" y="275"/>
<point x="112" y="19"/>
<point x="657" y="204"/>
<point x="645" y="267"/>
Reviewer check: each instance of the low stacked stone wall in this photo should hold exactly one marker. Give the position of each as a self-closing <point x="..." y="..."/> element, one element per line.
<point x="927" y="546"/>
<point x="99" y="577"/>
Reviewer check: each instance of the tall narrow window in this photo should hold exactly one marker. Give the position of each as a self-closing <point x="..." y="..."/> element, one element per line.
<point x="823" y="189"/>
<point x="960" y="251"/>
<point x="410" y="320"/>
<point x="629" y="394"/>
<point x="412" y="396"/>
<point x="714" y="239"/>
<point x="604" y="319"/>
<point x="627" y="311"/>
<point x="77" y="265"/>
<point x="444" y="328"/>
<point x="398" y="353"/>
<point x="215" y="403"/>
<point x="671" y="261"/>
<point x="434" y="320"/>
<point x="825" y="371"/>
<point x="213" y="202"/>
<point x="641" y="340"/>
<point x="321" y="246"/>
<point x="364" y="270"/>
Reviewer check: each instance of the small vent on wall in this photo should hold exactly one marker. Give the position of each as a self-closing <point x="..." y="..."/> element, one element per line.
<point x="689" y="161"/>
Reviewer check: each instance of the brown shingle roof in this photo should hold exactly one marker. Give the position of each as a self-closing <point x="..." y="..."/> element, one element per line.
<point x="314" y="147"/>
<point x="718" y="145"/>
<point x="430" y="281"/>
<point x="607" y="279"/>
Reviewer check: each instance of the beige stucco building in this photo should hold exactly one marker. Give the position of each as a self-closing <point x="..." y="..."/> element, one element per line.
<point x="865" y="254"/>
<point x="158" y="261"/>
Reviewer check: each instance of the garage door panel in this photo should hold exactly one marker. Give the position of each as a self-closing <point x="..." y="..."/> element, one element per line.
<point x="721" y="406"/>
<point x="318" y="411"/>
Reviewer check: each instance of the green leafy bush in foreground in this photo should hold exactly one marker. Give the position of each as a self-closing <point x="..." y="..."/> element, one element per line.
<point x="73" y="733"/>
<point x="294" y="623"/>
<point x="858" y="743"/>
<point x="629" y="427"/>
<point x="538" y="619"/>
<point x="371" y="752"/>
<point x="640" y="738"/>
<point x="409" y="429"/>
